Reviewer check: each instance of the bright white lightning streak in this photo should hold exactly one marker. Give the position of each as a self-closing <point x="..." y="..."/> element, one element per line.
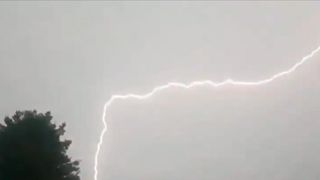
<point x="188" y="86"/>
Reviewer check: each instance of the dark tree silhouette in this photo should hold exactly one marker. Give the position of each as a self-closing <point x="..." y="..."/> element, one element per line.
<point x="31" y="149"/>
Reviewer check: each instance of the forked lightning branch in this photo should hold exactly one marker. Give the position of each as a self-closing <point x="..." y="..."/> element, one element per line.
<point x="193" y="84"/>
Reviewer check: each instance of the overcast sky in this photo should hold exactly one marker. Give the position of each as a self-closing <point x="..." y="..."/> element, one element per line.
<point x="70" y="57"/>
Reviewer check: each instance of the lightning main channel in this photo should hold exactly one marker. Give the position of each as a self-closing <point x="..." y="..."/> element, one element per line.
<point x="188" y="86"/>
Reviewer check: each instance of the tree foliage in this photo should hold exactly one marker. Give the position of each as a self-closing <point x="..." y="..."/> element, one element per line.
<point x="31" y="149"/>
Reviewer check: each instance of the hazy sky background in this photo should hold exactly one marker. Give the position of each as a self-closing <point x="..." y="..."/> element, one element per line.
<point x="70" y="57"/>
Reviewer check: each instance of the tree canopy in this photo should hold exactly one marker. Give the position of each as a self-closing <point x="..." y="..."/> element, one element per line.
<point x="31" y="149"/>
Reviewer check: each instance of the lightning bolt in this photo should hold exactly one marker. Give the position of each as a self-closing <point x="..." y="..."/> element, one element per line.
<point x="188" y="86"/>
